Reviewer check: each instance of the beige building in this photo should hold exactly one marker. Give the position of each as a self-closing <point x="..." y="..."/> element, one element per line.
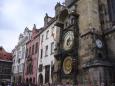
<point x="86" y="51"/>
<point x="48" y="36"/>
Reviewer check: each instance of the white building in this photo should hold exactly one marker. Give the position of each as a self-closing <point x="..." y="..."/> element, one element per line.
<point x="46" y="50"/>
<point x="19" y="56"/>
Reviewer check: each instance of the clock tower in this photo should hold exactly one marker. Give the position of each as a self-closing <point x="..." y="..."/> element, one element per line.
<point x="67" y="51"/>
<point x="81" y="56"/>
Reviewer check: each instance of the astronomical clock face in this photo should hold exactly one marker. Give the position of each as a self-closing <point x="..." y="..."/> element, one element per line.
<point x="68" y="40"/>
<point x="67" y="65"/>
<point x="99" y="43"/>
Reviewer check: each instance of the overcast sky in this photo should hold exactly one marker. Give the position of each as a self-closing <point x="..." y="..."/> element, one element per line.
<point x="15" y="15"/>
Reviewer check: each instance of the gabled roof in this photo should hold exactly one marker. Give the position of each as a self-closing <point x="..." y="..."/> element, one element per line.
<point x="5" y="55"/>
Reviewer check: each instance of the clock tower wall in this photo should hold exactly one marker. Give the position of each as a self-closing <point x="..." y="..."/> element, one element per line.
<point x="85" y="49"/>
<point x="89" y="21"/>
<point x="89" y="15"/>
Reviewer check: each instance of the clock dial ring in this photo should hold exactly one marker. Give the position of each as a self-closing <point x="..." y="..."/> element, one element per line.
<point x="67" y="65"/>
<point x="68" y="40"/>
<point x="99" y="43"/>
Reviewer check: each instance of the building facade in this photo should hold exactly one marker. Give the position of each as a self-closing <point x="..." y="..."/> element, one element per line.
<point x="85" y="54"/>
<point x="5" y="66"/>
<point x="19" y="53"/>
<point x="75" y="47"/>
<point x="46" y="50"/>
<point x="32" y="47"/>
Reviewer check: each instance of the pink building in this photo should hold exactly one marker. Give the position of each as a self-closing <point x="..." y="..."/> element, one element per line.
<point x="30" y="70"/>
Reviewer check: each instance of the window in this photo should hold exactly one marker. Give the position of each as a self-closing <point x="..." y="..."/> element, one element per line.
<point x="32" y="49"/>
<point x="42" y="38"/>
<point x="47" y="73"/>
<point x="7" y="70"/>
<point x="19" y="54"/>
<point x="66" y="24"/>
<point x="36" y="49"/>
<point x="46" y="51"/>
<point x="41" y="53"/>
<point x="22" y="66"/>
<point x="52" y="47"/>
<point x="27" y="70"/>
<point x="40" y="68"/>
<point x="14" y="69"/>
<point x="18" y="69"/>
<point x="23" y="52"/>
<point x="27" y="52"/>
<point x="30" y="68"/>
<point x="111" y="9"/>
<point x="0" y="69"/>
<point x="73" y="21"/>
<point x="47" y="34"/>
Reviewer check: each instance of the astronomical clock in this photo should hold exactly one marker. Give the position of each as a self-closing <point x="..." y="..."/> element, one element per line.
<point x="68" y="40"/>
<point x="68" y="46"/>
<point x="67" y="65"/>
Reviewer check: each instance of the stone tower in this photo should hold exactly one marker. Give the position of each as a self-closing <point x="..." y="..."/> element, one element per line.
<point x="83" y="54"/>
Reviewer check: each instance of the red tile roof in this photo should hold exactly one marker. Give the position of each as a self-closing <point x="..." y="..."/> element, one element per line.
<point x="5" y="55"/>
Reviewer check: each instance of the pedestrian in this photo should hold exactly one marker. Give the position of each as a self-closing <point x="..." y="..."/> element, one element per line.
<point x="68" y="84"/>
<point x="48" y="84"/>
<point x="3" y="84"/>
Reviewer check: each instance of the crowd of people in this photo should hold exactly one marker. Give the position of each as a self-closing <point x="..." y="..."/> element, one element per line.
<point x="30" y="84"/>
<point x="16" y="84"/>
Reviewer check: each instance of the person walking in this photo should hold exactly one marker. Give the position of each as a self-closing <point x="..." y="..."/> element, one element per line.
<point x="3" y="84"/>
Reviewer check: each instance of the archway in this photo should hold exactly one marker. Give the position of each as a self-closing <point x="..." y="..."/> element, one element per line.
<point x="34" y="80"/>
<point x="20" y="79"/>
<point x="30" y="80"/>
<point x="26" y="80"/>
<point x="40" y="79"/>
